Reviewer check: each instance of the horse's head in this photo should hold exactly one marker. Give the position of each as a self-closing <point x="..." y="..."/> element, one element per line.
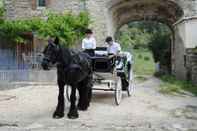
<point x="51" y="53"/>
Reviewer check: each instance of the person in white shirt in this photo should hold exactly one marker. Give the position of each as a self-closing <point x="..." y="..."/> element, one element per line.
<point x="113" y="48"/>
<point x="89" y="43"/>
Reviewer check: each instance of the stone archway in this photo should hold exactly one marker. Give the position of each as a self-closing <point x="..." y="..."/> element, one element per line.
<point x="179" y="15"/>
<point x="121" y="12"/>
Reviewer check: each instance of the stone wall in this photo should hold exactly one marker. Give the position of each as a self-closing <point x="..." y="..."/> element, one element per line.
<point x="191" y="64"/>
<point x="99" y="19"/>
<point x="185" y="38"/>
<point x="16" y="9"/>
<point x="10" y="9"/>
<point x="178" y="51"/>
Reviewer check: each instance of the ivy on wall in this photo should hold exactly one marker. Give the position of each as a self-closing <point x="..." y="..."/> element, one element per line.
<point x="68" y="27"/>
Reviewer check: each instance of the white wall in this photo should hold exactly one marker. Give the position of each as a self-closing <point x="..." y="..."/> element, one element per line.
<point x="179" y="51"/>
<point x="191" y="33"/>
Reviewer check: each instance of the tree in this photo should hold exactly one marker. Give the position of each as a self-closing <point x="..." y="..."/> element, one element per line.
<point x="149" y="35"/>
<point x="134" y="37"/>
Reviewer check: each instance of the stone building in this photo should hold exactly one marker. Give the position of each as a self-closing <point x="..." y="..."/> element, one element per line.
<point x="109" y="15"/>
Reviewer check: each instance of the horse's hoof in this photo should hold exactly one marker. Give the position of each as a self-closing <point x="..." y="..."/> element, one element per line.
<point x="57" y="115"/>
<point x="73" y="115"/>
<point x="82" y="108"/>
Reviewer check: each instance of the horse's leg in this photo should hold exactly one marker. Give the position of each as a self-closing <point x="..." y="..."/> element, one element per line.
<point x="85" y="92"/>
<point x="90" y="86"/>
<point x="59" y="112"/>
<point x="73" y="113"/>
<point x="81" y="96"/>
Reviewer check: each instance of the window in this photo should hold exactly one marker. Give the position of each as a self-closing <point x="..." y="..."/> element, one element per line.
<point x="41" y="3"/>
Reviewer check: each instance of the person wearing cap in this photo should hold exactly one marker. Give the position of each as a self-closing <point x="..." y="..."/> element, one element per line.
<point x="89" y="43"/>
<point x="113" y="48"/>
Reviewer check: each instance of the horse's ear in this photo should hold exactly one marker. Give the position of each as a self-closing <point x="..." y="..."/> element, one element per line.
<point x="56" y="41"/>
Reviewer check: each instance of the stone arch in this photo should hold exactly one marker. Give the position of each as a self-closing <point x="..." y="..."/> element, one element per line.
<point x="121" y="12"/>
<point x="179" y="15"/>
<point x="169" y="12"/>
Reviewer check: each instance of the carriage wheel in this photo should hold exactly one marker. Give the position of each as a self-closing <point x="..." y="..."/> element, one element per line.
<point x="131" y="83"/>
<point x="118" y="91"/>
<point x="68" y="92"/>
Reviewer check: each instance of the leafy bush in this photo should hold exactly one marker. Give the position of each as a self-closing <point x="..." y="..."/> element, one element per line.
<point x="68" y="27"/>
<point x="160" y="45"/>
<point x="134" y="37"/>
<point x="146" y="58"/>
<point x="194" y="50"/>
<point x="152" y="35"/>
<point x="1" y="11"/>
<point x="140" y="56"/>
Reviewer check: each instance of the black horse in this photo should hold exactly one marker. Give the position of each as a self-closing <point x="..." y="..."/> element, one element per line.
<point x="74" y="69"/>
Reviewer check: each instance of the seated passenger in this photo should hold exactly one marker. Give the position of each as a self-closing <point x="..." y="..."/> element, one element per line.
<point x="113" y="48"/>
<point x="89" y="43"/>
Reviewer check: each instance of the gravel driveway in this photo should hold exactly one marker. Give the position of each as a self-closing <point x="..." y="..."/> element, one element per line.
<point x="30" y="109"/>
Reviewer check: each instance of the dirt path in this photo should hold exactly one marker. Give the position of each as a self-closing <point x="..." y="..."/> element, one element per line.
<point x="31" y="108"/>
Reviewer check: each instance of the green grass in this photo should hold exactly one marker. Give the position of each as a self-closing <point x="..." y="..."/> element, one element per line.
<point x="171" y="85"/>
<point x="140" y="79"/>
<point x="143" y="62"/>
<point x="1" y="3"/>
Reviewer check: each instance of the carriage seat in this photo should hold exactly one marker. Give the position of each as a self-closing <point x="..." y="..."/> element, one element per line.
<point x="103" y="63"/>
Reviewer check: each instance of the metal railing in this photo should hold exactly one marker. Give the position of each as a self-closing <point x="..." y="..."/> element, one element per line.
<point x="33" y="61"/>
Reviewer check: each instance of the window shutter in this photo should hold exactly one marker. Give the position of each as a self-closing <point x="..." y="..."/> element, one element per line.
<point x="34" y="4"/>
<point x="48" y="3"/>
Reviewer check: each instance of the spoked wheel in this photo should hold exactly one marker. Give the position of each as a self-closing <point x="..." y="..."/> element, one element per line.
<point x="118" y="91"/>
<point x="131" y="83"/>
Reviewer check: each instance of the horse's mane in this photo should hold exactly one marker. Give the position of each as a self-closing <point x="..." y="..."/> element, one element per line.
<point x="75" y="63"/>
<point x="69" y="55"/>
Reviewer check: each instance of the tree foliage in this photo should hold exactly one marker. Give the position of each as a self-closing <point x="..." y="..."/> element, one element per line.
<point x="148" y="35"/>
<point x="160" y="47"/>
<point x="134" y="37"/>
<point x="1" y="11"/>
<point x="68" y="27"/>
